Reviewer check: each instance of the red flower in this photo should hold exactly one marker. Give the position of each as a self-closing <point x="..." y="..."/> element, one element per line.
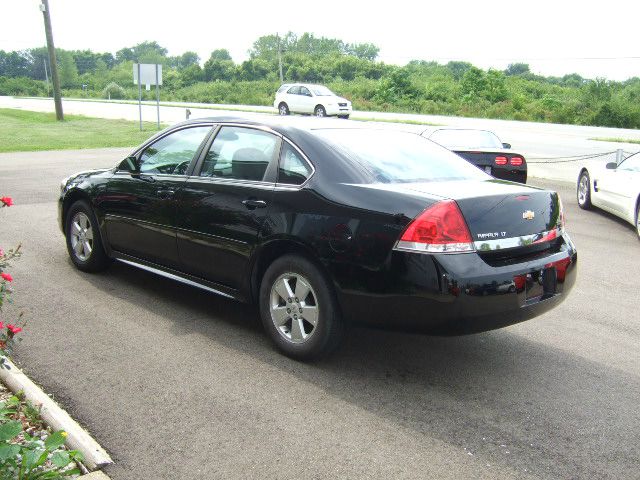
<point x="1" y="252"/>
<point x="13" y="329"/>
<point x="1" y="325"/>
<point x="6" y="277"/>
<point x="8" y="201"/>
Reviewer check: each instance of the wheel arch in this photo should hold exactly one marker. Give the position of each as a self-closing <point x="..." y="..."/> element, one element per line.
<point x="70" y="198"/>
<point x="74" y="196"/>
<point x="270" y="251"/>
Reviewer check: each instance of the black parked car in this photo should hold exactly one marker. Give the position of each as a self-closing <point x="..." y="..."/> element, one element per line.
<point x="322" y="226"/>
<point x="483" y="149"/>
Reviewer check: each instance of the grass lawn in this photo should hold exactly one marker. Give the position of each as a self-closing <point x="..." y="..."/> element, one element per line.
<point x="619" y="140"/>
<point x="22" y="131"/>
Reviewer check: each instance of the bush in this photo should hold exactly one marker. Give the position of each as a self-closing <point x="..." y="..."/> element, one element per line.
<point x="113" y="91"/>
<point x="22" y="86"/>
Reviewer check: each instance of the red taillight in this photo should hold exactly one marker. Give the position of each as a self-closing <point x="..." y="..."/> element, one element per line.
<point x="516" y="161"/>
<point x="440" y="228"/>
<point x="501" y="160"/>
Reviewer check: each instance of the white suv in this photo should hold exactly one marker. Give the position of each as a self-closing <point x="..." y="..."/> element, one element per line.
<point x="308" y="98"/>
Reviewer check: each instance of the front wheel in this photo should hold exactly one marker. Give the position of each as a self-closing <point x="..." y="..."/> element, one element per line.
<point x="638" y="219"/>
<point x="584" y="190"/>
<point x="299" y="309"/>
<point x="283" y="109"/>
<point x="320" y="111"/>
<point x="83" y="238"/>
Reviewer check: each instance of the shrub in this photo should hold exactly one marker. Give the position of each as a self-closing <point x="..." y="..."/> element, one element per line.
<point x="113" y="91"/>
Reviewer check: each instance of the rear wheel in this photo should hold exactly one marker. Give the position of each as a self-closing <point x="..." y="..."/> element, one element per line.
<point x="299" y="309"/>
<point x="283" y="109"/>
<point x="584" y="190"/>
<point x="320" y="111"/>
<point x="83" y="238"/>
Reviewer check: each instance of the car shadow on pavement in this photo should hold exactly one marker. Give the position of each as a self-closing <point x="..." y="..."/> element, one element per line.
<point x="500" y="395"/>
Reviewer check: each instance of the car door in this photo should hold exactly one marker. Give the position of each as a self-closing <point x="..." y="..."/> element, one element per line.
<point x="307" y="102"/>
<point x="293" y="99"/>
<point x="139" y="204"/>
<point x="223" y="206"/>
<point x="617" y="186"/>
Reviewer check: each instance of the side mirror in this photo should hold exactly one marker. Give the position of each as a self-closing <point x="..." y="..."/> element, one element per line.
<point x="612" y="166"/>
<point x="129" y="164"/>
<point x="506" y="145"/>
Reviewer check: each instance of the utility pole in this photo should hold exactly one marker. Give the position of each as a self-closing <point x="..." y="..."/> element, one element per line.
<point x="53" y="66"/>
<point x="280" y="59"/>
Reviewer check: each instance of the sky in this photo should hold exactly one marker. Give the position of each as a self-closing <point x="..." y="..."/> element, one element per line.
<point x="593" y="39"/>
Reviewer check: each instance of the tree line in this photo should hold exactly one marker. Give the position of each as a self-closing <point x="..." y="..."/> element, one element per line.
<point x="352" y="70"/>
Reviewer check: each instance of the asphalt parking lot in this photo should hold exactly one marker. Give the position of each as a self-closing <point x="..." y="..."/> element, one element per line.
<point x="177" y="383"/>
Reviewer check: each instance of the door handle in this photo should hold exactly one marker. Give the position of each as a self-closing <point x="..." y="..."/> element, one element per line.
<point x="165" y="192"/>
<point x="252" y="203"/>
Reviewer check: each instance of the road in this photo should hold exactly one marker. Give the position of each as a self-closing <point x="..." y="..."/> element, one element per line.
<point x="537" y="141"/>
<point x="179" y="384"/>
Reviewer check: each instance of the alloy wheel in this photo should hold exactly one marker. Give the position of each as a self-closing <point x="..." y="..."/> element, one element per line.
<point x="81" y="236"/>
<point x="294" y="307"/>
<point x="583" y="189"/>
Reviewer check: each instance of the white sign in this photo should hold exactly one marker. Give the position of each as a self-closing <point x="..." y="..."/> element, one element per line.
<point x="147" y="74"/>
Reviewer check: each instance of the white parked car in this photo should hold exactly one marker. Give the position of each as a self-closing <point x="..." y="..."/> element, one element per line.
<point x="312" y="99"/>
<point x="614" y="188"/>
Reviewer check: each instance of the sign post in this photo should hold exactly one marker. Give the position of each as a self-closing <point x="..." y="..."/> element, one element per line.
<point x="149" y="74"/>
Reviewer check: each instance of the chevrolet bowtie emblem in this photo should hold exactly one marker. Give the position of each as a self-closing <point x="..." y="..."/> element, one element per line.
<point x="528" y="215"/>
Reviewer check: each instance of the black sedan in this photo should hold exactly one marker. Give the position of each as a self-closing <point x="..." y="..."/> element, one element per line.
<point x="483" y="149"/>
<point x="322" y="226"/>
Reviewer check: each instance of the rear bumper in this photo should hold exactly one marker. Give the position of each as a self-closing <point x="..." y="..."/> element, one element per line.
<point x="461" y="293"/>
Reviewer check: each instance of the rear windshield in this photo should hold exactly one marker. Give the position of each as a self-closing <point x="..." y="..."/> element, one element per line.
<point x="466" y="138"/>
<point x="393" y="157"/>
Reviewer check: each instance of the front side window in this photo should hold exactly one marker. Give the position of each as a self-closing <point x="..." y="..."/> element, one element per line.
<point x="172" y="154"/>
<point x="240" y="153"/>
<point x="305" y="91"/>
<point x="631" y="164"/>
<point x="293" y="169"/>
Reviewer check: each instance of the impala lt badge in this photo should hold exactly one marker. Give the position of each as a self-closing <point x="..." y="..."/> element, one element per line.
<point x="528" y="215"/>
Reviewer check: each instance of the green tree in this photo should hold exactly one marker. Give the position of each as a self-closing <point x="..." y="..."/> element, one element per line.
<point x="458" y="69"/>
<point x="517" y="69"/>
<point x="474" y="83"/>
<point x="365" y="51"/>
<point x="68" y="69"/>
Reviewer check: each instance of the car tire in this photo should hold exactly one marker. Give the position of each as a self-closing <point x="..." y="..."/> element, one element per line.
<point x="583" y="191"/>
<point x="346" y="117"/>
<point x="320" y="111"/>
<point x="638" y="219"/>
<point x="283" y="109"/>
<point x="307" y="324"/>
<point x="84" y="243"/>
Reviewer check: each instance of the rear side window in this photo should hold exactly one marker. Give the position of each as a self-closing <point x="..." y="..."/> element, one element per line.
<point x="239" y="153"/>
<point x="293" y="169"/>
<point x="172" y="153"/>
<point x="294" y="90"/>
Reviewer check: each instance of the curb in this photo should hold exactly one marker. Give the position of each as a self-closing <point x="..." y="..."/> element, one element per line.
<point x="78" y="438"/>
